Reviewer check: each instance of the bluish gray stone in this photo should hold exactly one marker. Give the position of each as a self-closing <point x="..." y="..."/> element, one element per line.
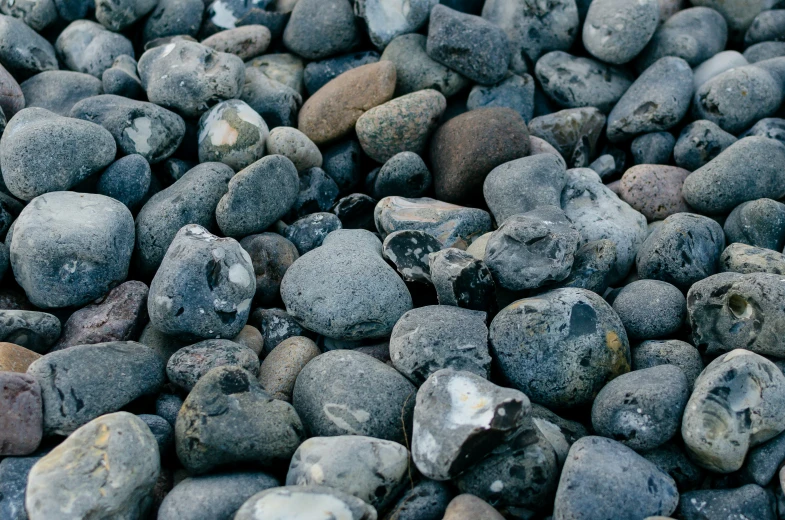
<point x="515" y="92"/>
<point x="650" y="309"/>
<point x="308" y="233"/>
<point x="404" y="174"/>
<point x="173" y="17"/>
<point x="127" y="180"/>
<point x="615" y="31"/>
<point x="191" y="363"/>
<point x="271" y="255"/>
<point x="317" y="193"/>
<point x="700" y="142"/>
<point x="759" y="223"/>
<point x="232" y="133"/>
<point x="384" y="21"/>
<point x="769" y="25"/>
<point x="86" y="46"/>
<point x="13" y="483"/>
<point x="744" y="259"/>
<point x="318" y="73"/>
<point x="122" y="79"/>
<point x="36" y="331"/>
<point x="22" y="50"/>
<point x="277" y="103"/>
<point x="321" y="28"/>
<point x="750" y="501"/>
<point x="35" y="13"/>
<point x="461" y="280"/>
<point x="59" y="90"/>
<point x="653" y="148"/>
<point x="669" y="352"/>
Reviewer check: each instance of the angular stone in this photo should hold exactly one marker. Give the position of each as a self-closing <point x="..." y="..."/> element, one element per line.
<point x="408" y="251"/>
<point x="461" y="280"/>
<point x="573" y="132"/>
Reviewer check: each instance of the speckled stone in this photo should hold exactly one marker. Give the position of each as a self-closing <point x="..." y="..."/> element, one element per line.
<point x="232" y="133"/>
<point x="654" y="190"/>
<point x="280" y="368"/>
<point x="21" y="414"/>
<point x="246" y="41"/>
<point x="616" y="31"/>
<point x="191" y="363"/>
<point x="14" y="358"/>
<point x="700" y="142"/>
<point x="669" y="352"/>
<point x="759" y="223"/>
<point x="284" y="503"/>
<point x="408" y="251"/>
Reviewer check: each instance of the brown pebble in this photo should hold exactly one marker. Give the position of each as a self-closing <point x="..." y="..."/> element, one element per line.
<point x="21" y="414"/>
<point x="14" y="358"/>
<point x="614" y="186"/>
<point x="246" y="42"/>
<point x="334" y="109"/>
<point x="250" y="337"/>
<point x="654" y="190"/>
<point x="469" y="507"/>
<point x="280" y="368"/>
<point x="466" y="148"/>
<point x="12" y="100"/>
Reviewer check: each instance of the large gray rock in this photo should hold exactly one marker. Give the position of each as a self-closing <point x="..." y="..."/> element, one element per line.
<point x="22" y="50"/>
<point x="700" y="142"/>
<point x="203" y="288"/>
<point x="616" y="31"/>
<point x="360" y="296"/>
<point x="35" y="13"/>
<point x="105" y="469"/>
<point x="737" y="403"/>
<point x="43" y="152"/>
<point x="83" y="382"/>
<point x="759" y="223"/>
<point x="285" y="503"/>
<point x="650" y="309"/>
<point x="116" y="15"/>
<point x="59" y="90"/>
<point x="88" y="47"/>
<point x="94" y="258"/>
<point x="321" y="28"/>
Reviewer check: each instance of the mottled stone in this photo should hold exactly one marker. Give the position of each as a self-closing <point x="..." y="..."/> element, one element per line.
<point x="669" y="352"/>
<point x="654" y="190"/>
<point x="280" y="368"/>
<point x="14" y="358"/>
<point x="32" y="330"/>
<point x="285" y="503"/>
<point x="573" y="132"/>
<point x="759" y="223"/>
<point x="744" y="259"/>
<point x="189" y="364"/>
<point x="232" y="133"/>
<point x="271" y="255"/>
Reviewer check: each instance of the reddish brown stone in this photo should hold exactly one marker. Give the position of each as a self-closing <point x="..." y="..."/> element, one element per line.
<point x="14" y="358"/>
<point x="654" y="190"/>
<point x="21" y="414"/>
<point x="466" y="148"/>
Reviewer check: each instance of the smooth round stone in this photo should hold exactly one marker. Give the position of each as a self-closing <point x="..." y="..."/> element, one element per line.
<point x="738" y="97"/>
<point x="88" y="47"/>
<point x="532" y="249"/>
<point x="232" y="133"/>
<point x="271" y="255"/>
<point x="744" y="259"/>
<point x="14" y="358"/>
<point x="427" y="500"/>
<point x="83" y="382"/>
<point x="654" y="353"/>
<point x="515" y="92"/>
<point x="716" y="65"/>
<point x="331" y="113"/>
<point x="767" y="26"/>
<point x="370" y="469"/>
<point x="573" y="132"/>
<point x="21" y="415"/>
<point x="534" y="30"/>
<point x="384" y="20"/>
<point x="641" y="409"/>
<point x="400" y="125"/>
<point x="192" y="199"/>
<point x="738" y="13"/>
<point x="36" y="331"/>
<point x="722" y="184"/>
<point x="275" y="102"/>
<point x="317" y="194"/>
<point x="603" y="478"/>
<point x="718" y="432"/>
<point x="523" y="185"/>
<point x="361" y="296"/>
<point x="189" y="77"/>
<point x="59" y="90"/>
<point x="585" y="342"/>
<point x="404" y="174"/>
<point x="409" y="251"/>
<point x="189" y="364"/>
<point x="764" y="51"/>
<point x="213" y="497"/>
<point x="428" y="339"/>
<point x="285" y="503"/>
<point x="650" y="309"/>
<point x="321" y="28"/>
<point x="467" y="506"/>
<point x="308" y="233"/>
<point x="653" y="148"/>
<point x="700" y="142"/>
<point x="287" y="69"/>
<point x="250" y="337"/>
<point x="461" y="280"/>
<point x="615" y="31"/>
<point x="275" y="325"/>
<point x="203" y="288"/>
<point x="116" y="15"/>
<point x="418" y="71"/>
<point x="694" y="34"/>
<point x="258" y="196"/>
<point x="65" y="483"/>
<point x="22" y="50"/>
<point x="667" y="256"/>
<point x="318" y="73"/>
<point x="467" y="147"/>
<point x="42" y="152"/>
<point x="576" y="81"/>
<point x="654" y="190"/>
<point x="377" y="401"/>
<point x="657" y="100"/>
<point x="295" y="146"/>
<point x="280" y="368"/>
<point x="246" y="42"/>
<point x="127" y="180"/>
<point x="96" y="256"/>
<point x="750" y="500"/>
<point x="759" y="223"/>
<point x="137" y="127"/>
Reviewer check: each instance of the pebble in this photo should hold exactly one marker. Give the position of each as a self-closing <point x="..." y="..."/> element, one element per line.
<point x="355" y="211"/>
<point x="654" y="190"/>
<point x="14" y="358"/>
<point x="602" y="478"/>
<point x="127" y="180"/>
<point x="43" y="152"/>
<point x="771" y="127"/>
<point x="232" y="133"/>
<point x="12" y="99"/>
<point x="747" y="501"/>
<point x="342" y="162"/>
<point x="276" y="325"/>
<point x="373" y="470"/>
<point x="718" y="432"/>
<point x="271" y="255"/>
<point x="168" y="406"/>
<point x="763" y="461"/>
<point x="515" y="92"/>
<point x="276" y="103"/>
<point x="426" y="500"/>
<point x="672" y="459"/>
<point x="466" y="148"/>
<point x="759" y="223"/>
<point x="321" y="28"/>
<point x="404" y="174"/>
<point x="700" y="142"/>
<point x="88" y="47"/>
<point x="332" y="112"/>
<point x="250" y="337"/>
<point x="650" y="309"/>
<point x="467" y="506"/>
<point x="716" y="65"/>
<point x="592" y="266"/>
<point x="573" y="132"/>
<point x="246" y="42"/>
<point x="108" y="468"/>
<point x="767" y="26"/>
<point x="461" y="280"/>
<point x="615" y="31"/>
<point x="295" y="146"/>
<point x="210" y="497"/>
<point x="13" y="483"/>
<point x="653" y="148"/>
<point x="189" y="364"/>
<point x="318" y="73"/>
<point x="653" y="353"/>
<point x="377" y="401"/>
<point x="228" y="14"/>
<point x="117" y="15"/>
<point x="592" y="346"/>
<point x="468" y="44"/>
<point x="38" y="15"/>
<point x="400" y="125"/>
<point x="59" y="90"/>
<point x="361" y="296"/>
<point x="173" y="17"/>
<point x="137" y="127"/>
<point x="203" y="287"/>
<point x="744" y="259"/>
<point x="308" y="233"/>
<point x="384" y="20"/>
<point x="287" y="69"/>
<point x="764" y="51"/>
<point x="317" y="193"/>
<point x="36" y="331"/>
<point x="229" y="418"/>
<point x="23" y="51"/>
<point x="280" y="368"/>
<point x="287" y="502"/>
<point x="21" y="414"/>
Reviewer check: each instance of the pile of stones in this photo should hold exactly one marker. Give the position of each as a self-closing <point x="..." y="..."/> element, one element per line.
<point x="392" y="259"/>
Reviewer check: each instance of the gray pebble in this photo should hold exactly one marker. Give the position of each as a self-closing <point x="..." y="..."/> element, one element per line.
<point x="321" y="28"/>
<point x="88" y="47"/>
<point x="650" y="309"/>
<point x="515" y="92"/>
<point x="161" y="430"/>
<point x="287" y="69"/>
<point x="295" y="146"/>
<point x="764" y="51"/>
<point x="763" y="461"/>
<point x="191" y="363"/>
<point x="700" y="142"/>
<point x="203" y="287"/>
<point x="308" y="233"/>
<point x="35" y="13"/>
<point x="163" y="345"/>
<point x="83" y="382"/>
<point x="122" y="79"/>
<point x="22" y="50"/>
<point x="384" y="21"/>
<point x="341" y="162"/>
<point x="560" y="433"/>
<point x="615" y="31"/>
<point x="356" y="211"/>
<point x="271" y="255"/>
<point x="36" y="331"/>
<point x="61" y="273"/>
<point x="275" y="325"/>
<point x="716" y="65"/>
<point x="228" y="418"/>
<point x="127" y="180"/>
<point x="59" y="90"/>
<point x="318" y="73"/>
<point x="168" y="406"/>
<point x="592" y="266"/>
<point x="653" y="148"/>
<point x="771" y="127"/>
<point x="409" y="251"/>
<point x="759" y="223"/>
<point x="671" y="459"/>
<point x="461" y="280"/>
<point x="404" y="174"/>
<point x="317" y="193"/>
<point x="376" y="401"/>
<point x="744" y="259"/>
<point x="173" y="17"/>
<point x="669" y="352"/>
<point x="277" y="103"/>
<point x="750" y="501"/>
<point x="283" y="503"/>
<point x="13" y="484"/>
<point x="427" y="500"/>
<point x="573" y="132"/>
<point x="592" y="346"/>
<point x="116" y="15"/>
<point x="232" y="133"/>
<point x="769" y="25"/>
<point x="229" y="14"/>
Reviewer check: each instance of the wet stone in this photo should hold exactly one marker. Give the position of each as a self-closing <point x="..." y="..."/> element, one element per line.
<point x="461" y="280"/>
<point x="408" y="251"/>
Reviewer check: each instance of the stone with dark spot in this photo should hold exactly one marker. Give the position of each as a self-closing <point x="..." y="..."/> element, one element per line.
<point x="699" y="142"/>
<point x="426" y="500"/>
<point x="461" y="280"/>
<point x="759" y="223"/>
<point x="191" y="363"/>
<point x="653" y="353"/>
<point x="341" y="162"/>
<point x="21" y="415"/>
<point x="271" y="255"/>
<point x="87" y="46"/>
<point x="355" y="211"/>
<point x="653" y="148"/>
<point x="592" y="266"/>
<point x="514" y="91"/>
<point x="275" y="325"/>
<point x="308" y="232"/>
<point x="318" y="73"/>
<point x="408" y="251"/>
<point x="744" y="259"/>
<point x="36" y="331"/>
<point x="277" y="103"/>
<point x="317" y="194"/>
<point x="671" y="458"/>
<point x="172" y="18"/>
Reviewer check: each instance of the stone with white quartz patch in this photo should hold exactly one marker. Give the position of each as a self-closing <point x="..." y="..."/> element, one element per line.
<point x="232" y="133"/>
<point x="295" y="502"/>
<point x="386" y="19"/>
<point x="459" y="418"/>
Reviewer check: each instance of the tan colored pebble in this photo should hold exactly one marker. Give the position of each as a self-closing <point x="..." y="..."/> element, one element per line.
<point x="250" y="337"/>
<point x="470" y="507"/>
<point x="246" y="41"/>
<point x="654" y="190"/>
<point x="14" y="358"/>
<point x="334" y="109"/>
<point x="280" y="368"/>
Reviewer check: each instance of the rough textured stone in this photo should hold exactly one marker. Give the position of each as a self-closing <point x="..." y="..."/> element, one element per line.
<point x="13" y="484"/>
<point x="466" y="506"/>
<point x="744" y="259"/>
<point x="189" y="364"/>
<point x="573" y="132"/>
<point x="22" y="50"/>
<point x="654" y="190"/>
<point x="14" y="358"/>
<point x="246" y="42"/>
<point x="21" y="414"/>
<point x="271" y="256"/>
<point x="669" y="352"/>
<point x="32" y="330"/>
<point x="747" y="501"/>
<point x="461" y="280"/>
<point x="650" y="309"/>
